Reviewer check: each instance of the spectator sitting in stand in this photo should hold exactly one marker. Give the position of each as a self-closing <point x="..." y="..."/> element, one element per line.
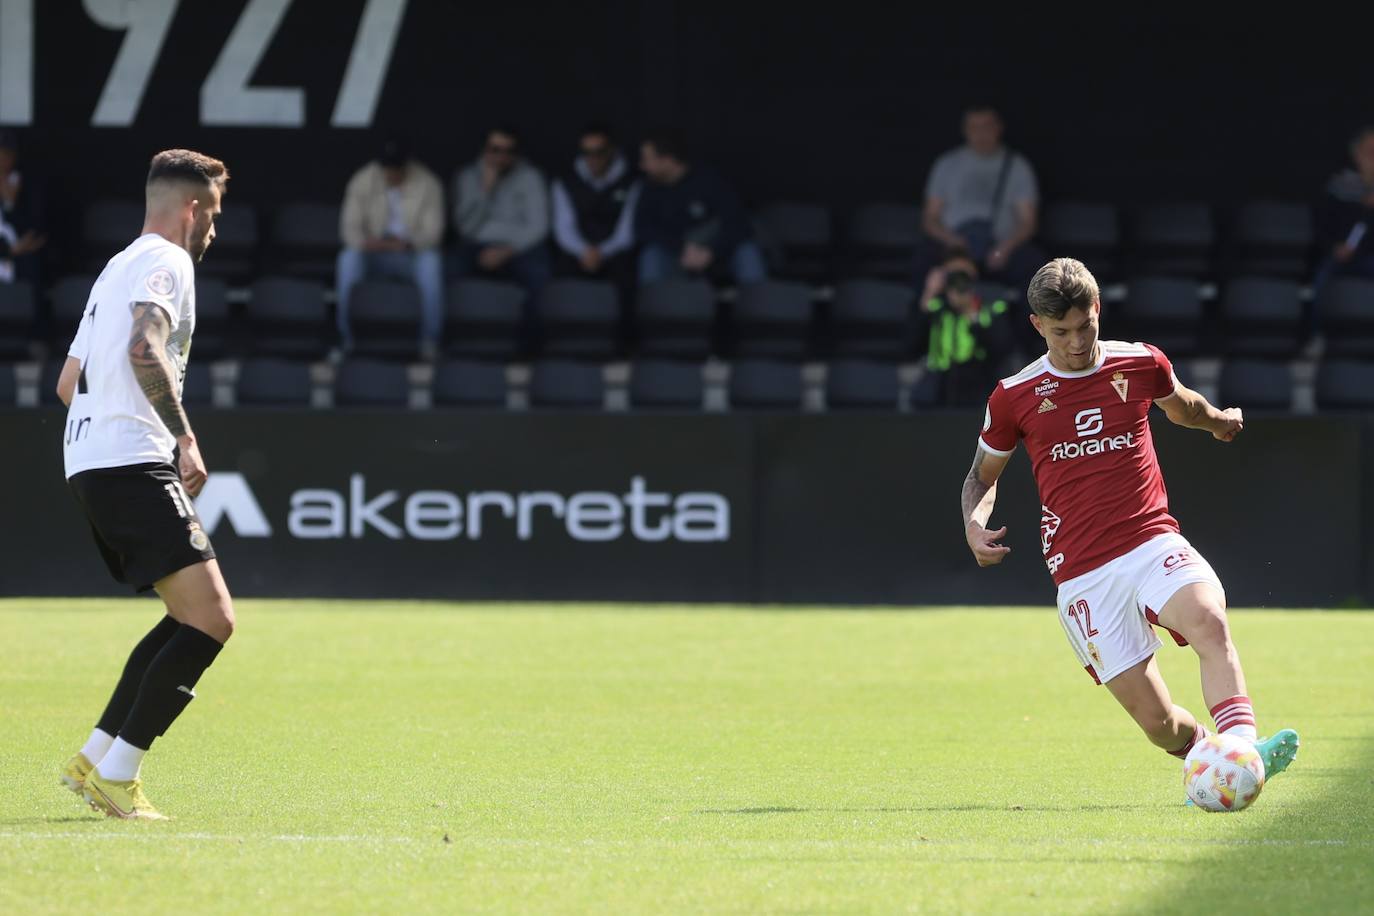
<point x="982" y="197"/>
<point x="594" y="208"/>
<point x="969" y="339"/>
<point x="1345" y="216"/>
<point x="688" y="220"/>
<point x="392" y="224"/>
<point x="22" y="224"/>
<point x="501" y="209"/>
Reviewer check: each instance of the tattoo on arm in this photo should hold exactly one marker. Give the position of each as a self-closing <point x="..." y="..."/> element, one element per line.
<point x="978" y="497"/>
<point x="155" y="373"/>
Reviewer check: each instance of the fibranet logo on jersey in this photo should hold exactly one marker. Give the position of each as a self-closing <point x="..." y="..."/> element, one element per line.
<point x="1086" y="423"/>
<point x="440" y="515"/>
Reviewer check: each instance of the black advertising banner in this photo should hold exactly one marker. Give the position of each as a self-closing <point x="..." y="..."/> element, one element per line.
<point x="826" y="509"/>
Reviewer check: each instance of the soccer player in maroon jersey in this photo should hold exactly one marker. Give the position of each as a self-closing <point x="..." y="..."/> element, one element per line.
<point x="1115" y="552"/>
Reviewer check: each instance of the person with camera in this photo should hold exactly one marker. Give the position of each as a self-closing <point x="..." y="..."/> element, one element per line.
<point x="968" y="337"/>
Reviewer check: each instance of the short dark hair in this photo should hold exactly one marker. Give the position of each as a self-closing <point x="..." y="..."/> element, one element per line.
<point x="978" y="106"/>
<point x="1360" y="136"/>
<point x="668" y="141"/>
<point x="189" y="166"/>
<point x="395" y="153"/>
<point x="510" y="130"/>
<point x="1061" y="285"/>
<point x="597" y="129"/>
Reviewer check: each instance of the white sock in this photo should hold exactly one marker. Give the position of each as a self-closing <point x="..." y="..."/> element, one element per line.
<point x="121" y="761"/>
<point x="96" y="745"/>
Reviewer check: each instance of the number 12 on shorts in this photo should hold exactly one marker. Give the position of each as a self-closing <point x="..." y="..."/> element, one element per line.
<point x="1083" y="616"/>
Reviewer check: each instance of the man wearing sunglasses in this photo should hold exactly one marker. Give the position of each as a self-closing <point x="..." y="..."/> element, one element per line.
<point x="501" y="209"/>
<point x="593" y="209"/>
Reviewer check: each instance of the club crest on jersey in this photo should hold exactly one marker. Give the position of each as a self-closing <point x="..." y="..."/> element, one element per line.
<point x="1046" y="406"/>
<point x="1046" y="386"/>
<point x="1121" y="384"/>
<point x="1096" y="656"/>
<point x="160" y="282"/>
<point x="199" y="539"/>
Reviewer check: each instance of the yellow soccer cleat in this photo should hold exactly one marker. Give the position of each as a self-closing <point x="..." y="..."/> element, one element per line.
<point x="75" y="771"/>
<point x="120" y="799"/>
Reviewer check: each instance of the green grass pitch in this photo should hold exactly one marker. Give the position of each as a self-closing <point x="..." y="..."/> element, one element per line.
<point x="404" y="758"/>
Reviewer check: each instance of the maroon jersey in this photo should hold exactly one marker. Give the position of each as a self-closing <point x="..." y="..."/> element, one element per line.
<point x="1088" y="435"/>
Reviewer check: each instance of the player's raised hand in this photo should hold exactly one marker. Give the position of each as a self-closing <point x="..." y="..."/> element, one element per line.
<point x="1232" y="422"/>
<point x="192" y="466"/>
<point x="984" y="544"/>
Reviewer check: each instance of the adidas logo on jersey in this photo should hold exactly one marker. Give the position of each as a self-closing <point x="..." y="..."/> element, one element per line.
<point x="1047" y="405"/>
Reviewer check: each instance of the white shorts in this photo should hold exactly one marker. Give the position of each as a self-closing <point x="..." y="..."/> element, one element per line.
<point x="1108" y="613"/>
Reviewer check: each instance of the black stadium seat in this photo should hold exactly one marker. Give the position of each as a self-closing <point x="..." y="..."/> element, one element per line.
<point x="107" y="228"/>
<point x="18" y="314"/>
<point x="666" y="384"/>
<point x="234" y="253"/>
<point x="1255" y="383"/>
<point x="287" y="317"/>
<point x="772" y="319"/>
<point x="883" y="238"/>
<point x="269" y="381"/>
<point x="1345" y="384"/>
<point x="579" y="318"/>
<point x="862" y="384"/>
<point x="1166" y="311"/>
<point x="797" y="239"/>
<point x="765" y="384"/>
<point x="69" y="296"/>
<point x="484" y="318"/>
<point x="385" y="318"/>
<point x="198" y="388"/>
<point x="566" y="384"/>
<point x="1090" y="232"/>
<point x="1272" y="238"/>
<point x="1346" y="312"/>
<point x="675" y="318"/>
<point x="371" y="383"/>
<point x="872" y="318"/>
<point x="305" y="240"/>
<point x="1174" y="239"/>
<point x="212" y="317"/>
<point x="469" y="383"/>
<point x="1261" y="316"/>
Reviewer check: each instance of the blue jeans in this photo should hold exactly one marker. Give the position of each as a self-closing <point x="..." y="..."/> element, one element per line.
<point x="424" y="268"/>
<point x="658" y="263"/>
<point x="530" y="268"/>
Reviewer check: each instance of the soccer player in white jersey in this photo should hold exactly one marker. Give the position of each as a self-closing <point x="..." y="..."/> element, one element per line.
<point x="134" y="465"/>
<point x="1115" y="552"/>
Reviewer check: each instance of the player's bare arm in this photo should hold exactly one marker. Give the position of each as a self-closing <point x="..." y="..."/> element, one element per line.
<point x="1188" y="408"/>
<point x="66" y="382"/>
<point x="978" y="498"/>
<point x="148" y="356"/>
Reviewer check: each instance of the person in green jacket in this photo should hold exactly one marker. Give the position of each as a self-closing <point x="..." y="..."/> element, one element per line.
<point x="968" y="336"/>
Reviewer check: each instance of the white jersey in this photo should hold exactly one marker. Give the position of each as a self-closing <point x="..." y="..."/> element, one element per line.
<point x="110" y="422"/>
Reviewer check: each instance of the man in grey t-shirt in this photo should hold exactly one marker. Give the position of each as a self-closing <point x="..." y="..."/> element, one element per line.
<point x="982" y="198"/>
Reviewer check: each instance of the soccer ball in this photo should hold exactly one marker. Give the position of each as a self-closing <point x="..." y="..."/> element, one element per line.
<point x="1223" y="773"/>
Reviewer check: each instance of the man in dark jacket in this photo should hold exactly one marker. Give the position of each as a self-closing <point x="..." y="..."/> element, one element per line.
<point x="594" y="208"/>
<point x="688" y="220"/>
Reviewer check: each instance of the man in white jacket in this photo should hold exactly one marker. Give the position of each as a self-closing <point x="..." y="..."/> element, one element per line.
<point x="392" y="226"/>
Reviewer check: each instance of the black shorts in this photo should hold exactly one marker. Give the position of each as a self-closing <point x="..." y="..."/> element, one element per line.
<point x="143" y="520"/>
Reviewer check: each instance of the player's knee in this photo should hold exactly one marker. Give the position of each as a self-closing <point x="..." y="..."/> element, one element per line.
<point x="1211" y="631"/>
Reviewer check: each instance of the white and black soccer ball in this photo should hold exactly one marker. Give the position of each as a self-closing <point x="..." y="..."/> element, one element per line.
<point x="1223" y="773"/>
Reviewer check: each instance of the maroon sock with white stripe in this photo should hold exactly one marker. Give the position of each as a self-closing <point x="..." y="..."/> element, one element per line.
<point x="1198" y="734"/>
<point x="1235" y="716"/>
